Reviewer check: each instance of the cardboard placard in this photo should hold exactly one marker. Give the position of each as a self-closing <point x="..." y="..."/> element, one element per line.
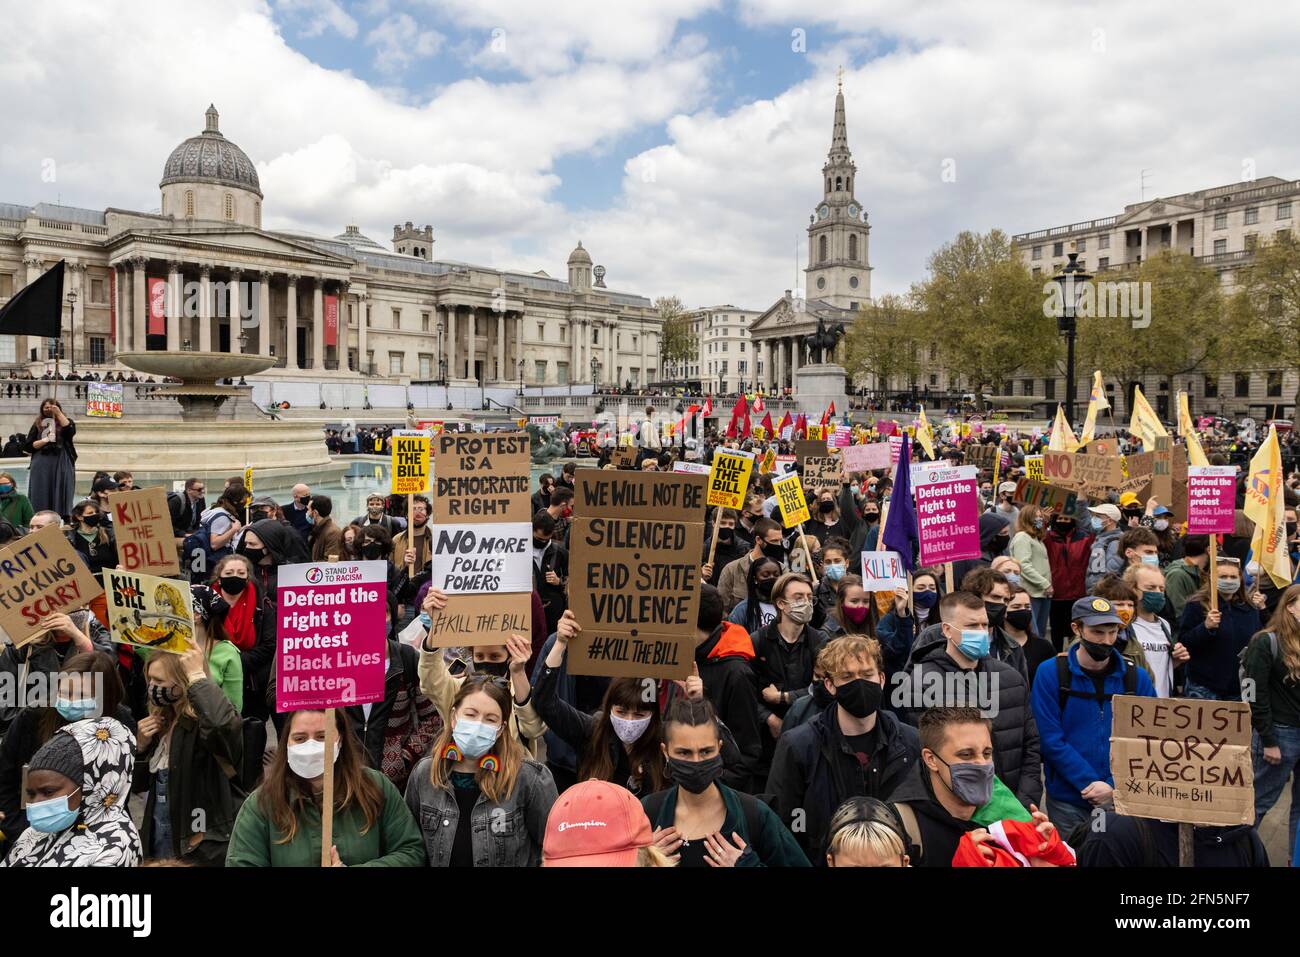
<point x="493" y="557"/>
<point x="865" y="458"/>
<point x="947" y="513"/>
<point x="484" y="619"/>
<point x="1082" y="472"/>
<point x="410" y="470"/>
<point x="481" y="476"/>
<point x="330" y="635"/>
<point x="624" y="457"/>
<point x="634" y="583"/>
<point x="822" y="473"/>
<point x="41" y="574"/>
<point x="1044" y="496"/>
<point x="1211" y="499"/>
<point x="149" y="612"/>
<point x="1182" y="759"/>
<point x="142" y="526"/>
<point x="790" y="499"/>
<point x="982" y="455"/>
<point x="883" y="571"/>
<point x="729" y="478"/>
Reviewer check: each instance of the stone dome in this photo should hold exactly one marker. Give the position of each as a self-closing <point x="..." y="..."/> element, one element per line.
<point x="211" y="158"/>
<point x="356" y="238"/>
<point x="579" y="255"/>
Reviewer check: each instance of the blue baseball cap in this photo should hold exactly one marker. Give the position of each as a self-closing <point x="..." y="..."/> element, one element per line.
<point x="1091" y="610"/>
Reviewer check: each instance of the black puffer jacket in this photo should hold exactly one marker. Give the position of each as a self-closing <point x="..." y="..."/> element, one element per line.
<point x="815" y="771"/>
<point x="284" y="546"/>
<point x="1015" y="735"/>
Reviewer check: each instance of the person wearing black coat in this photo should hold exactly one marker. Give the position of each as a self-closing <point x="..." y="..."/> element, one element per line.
<point x="1015" y="734"/>
<point x="550" y="569"/>
<point x="818" y="766"/>
<point x="1125" y="841"/>
<point x="271" y="545"/>
<point x="730" y="545"/>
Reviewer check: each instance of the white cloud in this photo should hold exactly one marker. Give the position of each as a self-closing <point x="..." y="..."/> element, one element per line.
<point x="400" y="42"/>
<point x="313" y="17"/>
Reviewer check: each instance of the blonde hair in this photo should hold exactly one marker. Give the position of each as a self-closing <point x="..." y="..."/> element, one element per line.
<point x="839" y="651"/>
<point x="651" y="856"/>
<point x="867" y="838"/>
<point x="172" y="673"/>
<point x="496" y="785"/>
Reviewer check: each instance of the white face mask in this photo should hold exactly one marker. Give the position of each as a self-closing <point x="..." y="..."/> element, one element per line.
<point x="307" y="760"/>
<point x="629" y="730"/>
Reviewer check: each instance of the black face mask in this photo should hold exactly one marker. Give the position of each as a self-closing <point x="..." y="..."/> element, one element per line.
<point x="496" y="669"/>
<point x="763" y="589"/>
<point x="860" y="697"/>
<point x="540" y="542"/>
<point x="1096" y="651"/>
<point x="233" y="584"/>
<point x="372" y="550"/>
<point x="1290" y="529"/>
<point x="826" y="507"/>
<point x="1020" y="618"/>
<point x="1064" y="528"/>
<point x="774" y="551"/>
<point x="696" y="776"/>
<point x="726" y="535"/>
<point x="869" y="517"/>
<point x="91" y="520"/>
<point x="996" y="613"/>
<point x="254" y="555"/>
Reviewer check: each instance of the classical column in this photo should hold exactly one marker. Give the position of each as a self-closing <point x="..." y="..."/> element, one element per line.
<point x="175" y="300"/>
<point x="780" y="365"/>
<point x="471" y="346"/>
<point x="795" y="357"/>
<point x="452" y="368"/>
<point x="1144" y="244"/>
<point x="341" y="336"/>
<point x="235" y="310"/>
<point x="362" y="365"/>
<point x="611" y="353"/>
<point x="119" y="317"/>
<point x="318" y="324"/>
<point x="291" y="324"/>
<point x="77" y="320"/>
<point x="503" y="374"/>
<point x="205" y="309"/>
<point x="264" y="313"/>
<point x="139" y="304"/>
<point x="519" y="338"/>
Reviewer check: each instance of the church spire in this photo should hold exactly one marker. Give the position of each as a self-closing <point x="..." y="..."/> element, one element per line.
<point x="839" y="152"/>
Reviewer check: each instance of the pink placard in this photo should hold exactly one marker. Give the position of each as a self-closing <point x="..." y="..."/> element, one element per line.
<point x="1211" y="499"/>
<point x="888" y="427"/>
<point x="864" y="458"/>
<point x="842" y="437"/>
<point x="330" y="635"/>
<point x="947" y="513"/>
<point x="895" y="449"/>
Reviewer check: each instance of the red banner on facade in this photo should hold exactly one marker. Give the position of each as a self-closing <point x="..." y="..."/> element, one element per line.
<point x="157" y="307"/>
<point x="331" y="320"/>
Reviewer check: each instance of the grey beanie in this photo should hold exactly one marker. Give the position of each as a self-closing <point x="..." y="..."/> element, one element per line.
<point x="61" y="753"/>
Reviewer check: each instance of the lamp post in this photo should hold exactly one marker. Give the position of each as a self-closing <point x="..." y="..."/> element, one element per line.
<point x="595" y="373"/>
<point x="1071" y="281"/>
<point x="521" y="378"/>
<point x="72" y="327"/>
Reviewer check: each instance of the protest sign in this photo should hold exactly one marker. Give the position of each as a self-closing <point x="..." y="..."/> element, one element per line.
<point x="1211" y="499"/>
<point x="758" y="433"/>
<point x="895" y="449"/>
<point x="149" y="612"/>
<point x="544" y="420"/>
<point x="1044" y="496"/>
<point x="729" y="477"/>
<point x="694" y="468"/>
<point x="40" y="575"/>
<point x="1034" y="467"/>
<point x="887" y="428"/>
<point x="822" y="473"/>
<point x="1082" y="472"/>
<point x="493" y="557"/>
<point x="634" y="582"/>
<point x="786" y="433"/>
<point x="330" y="634"/>
<point x="982" y="455"/>
<point x="864" y="458"/>
<point x="484" y="476"/>
<point x="768" y="464"/>
<point x="410" y="462"/>
<point x="1182" y="759"/>
<point x="883" y="571"/>
<point x="817" y="432"/>
<point x="143" y="527"/>
<point x="791" y="500"/>
<point x="783" y="463"/>
<point x="947" y="514"/>
<point x="843" y="436"/>
<point x="104" y="399"/>
<point x="624" y="457"/>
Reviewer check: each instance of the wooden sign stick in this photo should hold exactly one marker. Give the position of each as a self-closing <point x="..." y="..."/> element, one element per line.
<point x="1210" y="571"/>
<point x="713" y="545"/>
<point x="327" y="796"/>
<point x="410" y="532"/>
<point x="812" y="572"/>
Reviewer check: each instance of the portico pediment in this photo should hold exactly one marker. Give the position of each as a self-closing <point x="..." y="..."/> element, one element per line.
<point x="211" y="244"/>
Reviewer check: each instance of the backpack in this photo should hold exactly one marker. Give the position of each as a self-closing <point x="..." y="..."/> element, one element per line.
<point x="200" y="540"/>
<point x="1067" y="691"/>
<point x="1241" y="656"/>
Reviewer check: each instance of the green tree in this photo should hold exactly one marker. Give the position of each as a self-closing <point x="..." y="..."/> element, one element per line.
<point x="880" y="346"/>
<point x="1264" y="311"/>
<point x="984" y="310"/>
<point x="1164" y="318"/>
<point x="677" y="341"/>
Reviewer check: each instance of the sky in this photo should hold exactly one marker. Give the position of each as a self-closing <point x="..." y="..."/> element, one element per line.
<point x="680" y="140"/>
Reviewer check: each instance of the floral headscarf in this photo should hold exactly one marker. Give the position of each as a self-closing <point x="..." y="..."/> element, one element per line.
<point x="104" y="834"/>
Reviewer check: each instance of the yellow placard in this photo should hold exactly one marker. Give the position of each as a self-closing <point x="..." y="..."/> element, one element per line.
<point x="248" y="478"/>
<point x="149" y="612"/>
<point x="768" y="465"/>
<point x="1034" y="467"/>
<point x="817" y="432"/>
<point x="759" y="433"/>
<point x="729" y="478"/>
<point x="410" y="474"/>
<point x="791" y="500"/>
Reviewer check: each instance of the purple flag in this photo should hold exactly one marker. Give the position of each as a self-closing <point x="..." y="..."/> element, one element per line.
<point x="900" y="524"/>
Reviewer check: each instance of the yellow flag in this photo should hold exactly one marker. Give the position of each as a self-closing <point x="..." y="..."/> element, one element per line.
<point x="1097" y="402"/>
<point x="1062" y="439"/>
<point x="1266" y="508"/>
<point x="925" y="435"/>
<point x="1195" y="454"/>
<point x="1145" y="424"/>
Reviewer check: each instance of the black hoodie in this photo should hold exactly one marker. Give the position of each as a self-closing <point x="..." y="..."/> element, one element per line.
<point x="1138" y="842"/>
<point x="940" y="831"/>
<point x="285" y="547"/>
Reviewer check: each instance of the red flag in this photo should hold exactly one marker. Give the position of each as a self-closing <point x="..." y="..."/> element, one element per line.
<point x="708" y="407"/>
<point x="830" y="413"/>
<point x="758" y="405"/>
<point x="801" y="427"/>
<point x="785" y="421"/>
<point x="767" y="424"/>
<point x="827" y="414"/>
<point x="746" y="430"/>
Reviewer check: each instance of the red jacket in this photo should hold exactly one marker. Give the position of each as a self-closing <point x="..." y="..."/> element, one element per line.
<point x="1069" y="563"/>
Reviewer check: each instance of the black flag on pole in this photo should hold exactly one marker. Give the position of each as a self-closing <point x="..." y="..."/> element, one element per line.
<point x="37" y="308"/>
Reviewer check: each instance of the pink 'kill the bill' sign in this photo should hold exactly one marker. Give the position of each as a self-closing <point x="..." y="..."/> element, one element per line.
<point x="947" y="513"/>
<point x="330" y="635"/>
<point x="1211" y="499"/>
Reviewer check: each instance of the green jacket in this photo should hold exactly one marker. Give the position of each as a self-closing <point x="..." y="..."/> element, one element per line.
<point x="772" y="846"/>
<point x="393" y="840"/>
<point x="1182" y="580"/>
<point x="17" y="509"/>
<point x="1277" y="697"/>
<point x="227" y="670"/>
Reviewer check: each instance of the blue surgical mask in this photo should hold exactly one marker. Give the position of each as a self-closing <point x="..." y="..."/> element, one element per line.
<point x="833" y="572"/>
<point x="974" y="644"/>
<point x="924" y="599"/>
<point x="474" y="738"/>
<point x="77" y="710"/>
<point x="1095" y="523"/>
<point x="6" y="489"/>
<point x="1012" y="578"/>
<point x="1150" y="559"/>
<point x="1228" y="585"/>
<point x="426" y="620"/>
<point x="52" y="816"/>
<point x="311" y="519"/>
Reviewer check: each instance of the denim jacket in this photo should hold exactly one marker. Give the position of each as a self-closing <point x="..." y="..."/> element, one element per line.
<point x="505" y="834"/>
